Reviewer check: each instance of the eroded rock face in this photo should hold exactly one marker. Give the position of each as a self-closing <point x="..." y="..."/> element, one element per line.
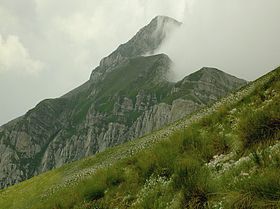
<point x="95" y="139"/>
<point x="127" y="96"/>
<point x="38" y="143"/>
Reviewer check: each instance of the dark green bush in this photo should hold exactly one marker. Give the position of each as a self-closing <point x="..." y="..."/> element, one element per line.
<point x="186" y="172"/>
<point x="114" y="177"/>
<point x="94" y="191"/>
<point x="204" y="143"/>
<point x="216" y="117"/>
<point x="145" y="163"/>
<point x="258" y="126"/>
<point x="261" y="190"/>
<point x="158" y="160"/>
<point x="193" y="179"/>
<point x="94" y="188"/>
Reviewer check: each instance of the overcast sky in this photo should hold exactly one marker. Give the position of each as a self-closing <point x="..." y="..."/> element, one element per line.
<point x="240" y="37"/>
<point x="48" y="47"/>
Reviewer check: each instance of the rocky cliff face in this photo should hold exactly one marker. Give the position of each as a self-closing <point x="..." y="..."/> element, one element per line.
<point x="127" y="96"/>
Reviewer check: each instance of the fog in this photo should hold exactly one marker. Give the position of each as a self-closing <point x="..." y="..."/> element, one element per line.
<point x="240" y="37"/>
<point x="49" y="47"/>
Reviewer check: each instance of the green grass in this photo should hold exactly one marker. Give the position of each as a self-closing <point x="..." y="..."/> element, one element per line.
<point x="258" y="126"/>
<point x="138" y="74"/>
<point x="229" y="158"/>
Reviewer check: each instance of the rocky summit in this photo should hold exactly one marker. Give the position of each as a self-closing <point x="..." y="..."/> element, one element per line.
<point x="127" y="96"/>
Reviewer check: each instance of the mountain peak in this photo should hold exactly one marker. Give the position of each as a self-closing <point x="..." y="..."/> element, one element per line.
<point x="214" y="76"/>
<point x="146" y="41"/>
<point x="164" y="18"/>
<point x="210" y="70"/>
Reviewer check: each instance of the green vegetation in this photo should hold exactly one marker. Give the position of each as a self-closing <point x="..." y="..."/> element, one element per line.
<point x="140" y="74"/>
<point x="227" y="158"/>
<point x="260" y="125"/>
<point x="80" y="105"/>
<point x="137" y="74"/>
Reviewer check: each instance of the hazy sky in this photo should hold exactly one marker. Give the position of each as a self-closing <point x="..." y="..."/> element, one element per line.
<point x="48" y="47"/>
<point x="241" y="37"/>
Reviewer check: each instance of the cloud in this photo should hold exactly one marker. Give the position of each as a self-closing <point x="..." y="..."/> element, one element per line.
<point x="239" y="37"/>
<point x="15" y="57"/>
<point x="67" y="38"/>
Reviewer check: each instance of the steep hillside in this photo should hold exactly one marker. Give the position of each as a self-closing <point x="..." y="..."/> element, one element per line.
<point x="128" y="95"/>
<point x="223" y="156"/>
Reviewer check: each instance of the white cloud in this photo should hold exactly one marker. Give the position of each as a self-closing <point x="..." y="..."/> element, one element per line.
<point x="15" y="57"/>
<point x="170" y="8"/>
<point x="239" y="37"/>
<point x="70" y="37"/>
<point x="78" y="27"/>
<point x="7" y="20"/>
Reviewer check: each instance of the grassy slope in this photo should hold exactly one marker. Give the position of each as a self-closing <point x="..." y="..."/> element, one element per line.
<point x="139" y="74"/>
<point x="225" y="156"/>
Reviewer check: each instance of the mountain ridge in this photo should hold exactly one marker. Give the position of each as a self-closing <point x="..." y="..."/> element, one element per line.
<point x="118" y="56"/>
<point x="201" y="155"/>
<point x="122" y="102"/>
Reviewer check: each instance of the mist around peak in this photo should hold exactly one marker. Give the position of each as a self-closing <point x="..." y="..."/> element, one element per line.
<point x="238" y="37"/>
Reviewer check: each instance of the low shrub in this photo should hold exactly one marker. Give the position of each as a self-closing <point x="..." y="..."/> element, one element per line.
<point x="204" y="143"/>
<point x="258" y="126"/>
<point x="260" y="190"/>
<point x="114" y="177"/>
<point x="158" y="160"/>
<point x="93" y="190"/>
<point x="194" y="180"/>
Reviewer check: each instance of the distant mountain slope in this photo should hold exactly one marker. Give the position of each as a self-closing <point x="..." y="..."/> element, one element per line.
<point x="127" y="96"/>
<point x="223" y="156"/>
